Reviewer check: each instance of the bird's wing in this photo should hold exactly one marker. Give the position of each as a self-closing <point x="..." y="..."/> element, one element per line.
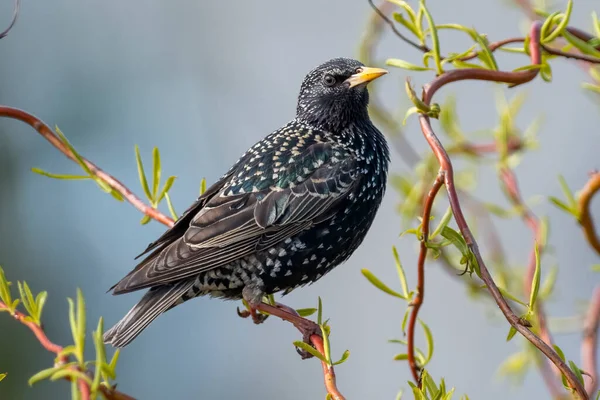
<point x="252" y="212"/>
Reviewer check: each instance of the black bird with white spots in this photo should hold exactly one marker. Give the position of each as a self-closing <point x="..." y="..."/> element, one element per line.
<point x="294" y="206"/>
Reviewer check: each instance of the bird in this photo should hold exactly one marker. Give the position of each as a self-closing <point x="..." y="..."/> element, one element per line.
<point x="294" y="206"/>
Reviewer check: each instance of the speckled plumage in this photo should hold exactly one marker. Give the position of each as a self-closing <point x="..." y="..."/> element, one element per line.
<point x="294" y="206"/>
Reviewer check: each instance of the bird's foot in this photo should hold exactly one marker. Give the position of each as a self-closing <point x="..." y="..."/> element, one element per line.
<point x="308" y="330"/>
<point x="257" y="317"/>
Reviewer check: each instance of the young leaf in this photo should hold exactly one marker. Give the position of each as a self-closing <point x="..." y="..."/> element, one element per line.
<point x="156" y="170"/>
<point x="511" y="333"/>
<point x="202" y="186"/>
<point x="434" y="37"/>
<point x="306" y="312"/>
<point x="308" y="348"/>
<point x="45" y="374"/>
<point x="535" y="282"/>
<point x="345" y="356"/>
<point x="142" y="173"/>
<point x="401" y="274"/>
<point x="320" y="312"/>
<point x="59" y="176"/>
<point x="561" y="26"/>
<point x="380" y="285"/>
<point x="395" y="62"/>
<point x="170" y="206"/>
<point x="429" y="338"/>
<point x="166" y="188"/>
<point x="401" y="357"/>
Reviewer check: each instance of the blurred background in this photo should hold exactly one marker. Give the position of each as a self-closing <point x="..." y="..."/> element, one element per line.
<point x="203" y="81"/>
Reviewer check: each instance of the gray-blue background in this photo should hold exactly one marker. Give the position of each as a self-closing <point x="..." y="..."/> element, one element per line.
<point x="203" y="81"/>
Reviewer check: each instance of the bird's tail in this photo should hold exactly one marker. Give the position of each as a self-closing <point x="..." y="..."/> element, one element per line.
<point x="156" y="301"/>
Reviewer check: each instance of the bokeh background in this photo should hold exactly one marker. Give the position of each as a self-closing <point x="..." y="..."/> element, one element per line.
<point x="203" y="81"/>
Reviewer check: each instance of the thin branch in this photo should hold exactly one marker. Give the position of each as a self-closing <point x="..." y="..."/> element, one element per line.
<point x="50" y="136"/>
<point x="513" y="78"/>
<point x="589" y="345"/>
<point x="511" y="186"/>
<point x="420" y="47"/>
<point x="420" y="292"/>
<point x="84" y="387"/>
<point x="585" y="218"/>
<point x="15" y="15"/>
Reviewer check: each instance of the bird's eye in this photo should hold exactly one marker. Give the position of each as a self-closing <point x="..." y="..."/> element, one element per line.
<point x="358" y="70"/>
<point x="329" y="80"/>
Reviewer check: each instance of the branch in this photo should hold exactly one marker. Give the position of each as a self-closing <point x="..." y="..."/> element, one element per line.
<point x="51" y="136"/>
<point x="589" y="345"/>
<point x="15" y="15"/>
<point x="84" y="386"/>
<point x="514" y="79"/>
<point x="585" y="218"/>
<point x="508" y="178"/>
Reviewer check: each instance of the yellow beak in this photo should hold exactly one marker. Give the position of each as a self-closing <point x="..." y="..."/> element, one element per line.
<point x="366" y="75"/>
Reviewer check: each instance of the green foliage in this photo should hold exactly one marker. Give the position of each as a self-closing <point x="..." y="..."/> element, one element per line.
<point x="89" y="173"/>
<point x="154" y="195"/>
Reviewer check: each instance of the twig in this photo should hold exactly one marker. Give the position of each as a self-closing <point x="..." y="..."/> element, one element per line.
<point x="420" y="292"/>
<point x="15" y="15"/>
<point x="513" y="78"/>
<point x="50" y="136"/>
<point x="511" y="186"/>
<point x="420" y="47"/>
<point x="84" y="387"/>
<point x="589" y="345"/>
<point x="585" y="219"/>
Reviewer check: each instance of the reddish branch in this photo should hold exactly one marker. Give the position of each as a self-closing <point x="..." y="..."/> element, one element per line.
<point x="511" y="186"/>
<point x="84" y="386"/>
<point x="589" y="346"/>
<point x="585" y="218"/>
<point x="514" y="79"/>
<point x="128" y="195"/>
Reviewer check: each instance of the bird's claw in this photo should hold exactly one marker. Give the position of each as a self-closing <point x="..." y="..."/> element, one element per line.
<point x="308" y="331"/>
<point x="256" y="317"/>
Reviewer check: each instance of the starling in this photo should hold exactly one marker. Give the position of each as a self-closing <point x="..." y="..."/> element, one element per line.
<point x="295" y="205"/>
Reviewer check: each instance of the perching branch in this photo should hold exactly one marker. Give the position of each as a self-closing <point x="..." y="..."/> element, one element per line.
<point x="589" y="345"/>
<point x="127" y="194"/>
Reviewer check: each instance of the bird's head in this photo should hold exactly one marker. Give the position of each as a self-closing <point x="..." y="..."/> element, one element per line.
<point x="334" y="95"/>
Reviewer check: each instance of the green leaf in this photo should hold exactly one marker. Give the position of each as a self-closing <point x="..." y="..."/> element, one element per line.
<point x="142" y="174"/>
<point x="395" y="62"/>
<point x="145" y="219"/>
<point x="401" y="274"/>
<point x="567" y="192"/>
<point x="380" y="285"/>
<point x="409" y="112"/>
<point x="345" y="356"/>
<point x="410" y="25"/>
<point x="511" y="333"/>
<point x="28" y="301"/>
<point x="59" y="176"/>
<point x="404" y="321"/>
<point x="443" y="223"/>
<point x="561" y="26"/>
<point x="516" y="365"/>
<point x="306" y="312"/>
<point x="78" y="158"/>
<point x="308" y="348"/>
<point x="596" y="268"/>
<point x="113" y="361"/>
<point x="170" y="206"/>
<point x="100" y="357"/>
<point x="429" y="338"/>
<point x="44" y="374"/>
<point x="5" y="295"/>
<point x="548" y="285"/>
<point x="2" y="376"/>
<point x="166" y="188"/>
<point x="434" y="37"/>
<point x="546" y="72"/>
<point x="401" y="357"/>
<point x="581" y="45"/>
<point x="576" y="371"/>
<point x="320" y="312"/>
<point x="562" y="206"/>
<point x="535" y="282"/>
<point x="156" y="170"/>
<point x="202" y="186"/>
<point x="70" y="373"/>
